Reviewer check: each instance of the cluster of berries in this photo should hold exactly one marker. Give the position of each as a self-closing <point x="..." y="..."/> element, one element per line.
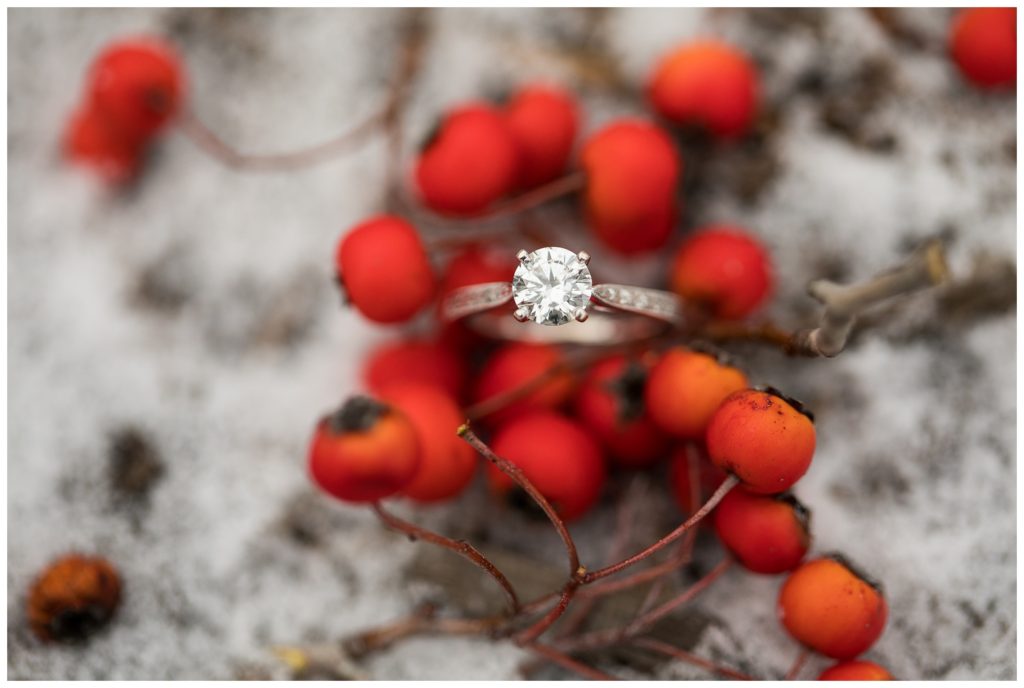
<point x="133" y="91"/>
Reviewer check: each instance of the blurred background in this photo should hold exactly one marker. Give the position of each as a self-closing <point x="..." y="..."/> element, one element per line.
<point x="171" y="344"/>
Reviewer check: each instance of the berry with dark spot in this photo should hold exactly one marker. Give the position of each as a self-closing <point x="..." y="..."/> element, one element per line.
<point x="73" y="597"/>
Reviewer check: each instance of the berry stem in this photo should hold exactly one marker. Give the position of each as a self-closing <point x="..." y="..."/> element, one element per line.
<point x="797" y="665"/>
<point x="567" y="662"/>
<point x="545" y="622"/>
<point x="683" y="655"/>
<point x="576" y="572"/>
<point x="723" y="489"/>
<point x="459" y="546"/>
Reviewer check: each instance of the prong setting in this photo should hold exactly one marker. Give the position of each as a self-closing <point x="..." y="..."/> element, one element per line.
<point x="522" y="254"/>
<point x="521" y="314"/>
<point x="581" y="315"/>
<point x="551" y="286"/>
<point x="584" y="256"/>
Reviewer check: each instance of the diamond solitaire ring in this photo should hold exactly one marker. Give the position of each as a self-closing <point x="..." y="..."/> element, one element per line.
<point x="552" y="286"/>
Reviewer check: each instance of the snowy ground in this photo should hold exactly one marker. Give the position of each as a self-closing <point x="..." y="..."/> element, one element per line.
<point x="197" y="310"/>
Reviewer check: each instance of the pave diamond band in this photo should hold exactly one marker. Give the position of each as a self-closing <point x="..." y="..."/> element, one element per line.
<point x="552" y="287"/>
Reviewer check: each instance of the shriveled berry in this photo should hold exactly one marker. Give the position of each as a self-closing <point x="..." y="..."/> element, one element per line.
<point x="610" y="403"/>
<point x="706" y="83"/>
<point x="137" y="85"/>
<point x="90" y="140"/>
<point x="517" y="364"/>
<point x="685" y="388"/>
<point x="73" y="597"/>
<point x="724" y="268"/>
<point x="385" y="270"/>
<point x="560" y="458"/>
<point x="544" y="121"/>
<point x="709" y="477"/>
<point x="415" y="361"/>
<point x="855" y="670"/>
<point x="983" y="42"/>
<point x="471" y="162"/>
<point x="632" y="170"/>
<point x="364" y="451"/>
<point x="761" y="439"/>
<point x="447" y="463"/>
<point x="831" y="608"/>
<point x="766" y="533"/>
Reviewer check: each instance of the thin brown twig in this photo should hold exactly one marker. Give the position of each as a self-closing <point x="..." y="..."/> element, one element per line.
<point x="419" y="622"/>
<point x="569" y="663"/>
<point x="798" y="664"/>
<point x="544" y="623"/>
<point x="723" y="489"/>
<point x="683" y="655"/>
<point x="459" y="546"/>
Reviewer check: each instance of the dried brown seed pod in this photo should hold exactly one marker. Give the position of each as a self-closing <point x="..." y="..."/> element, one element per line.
<point x="73" y="597"/>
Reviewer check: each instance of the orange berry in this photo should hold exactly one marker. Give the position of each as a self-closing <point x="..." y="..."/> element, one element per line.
<point x="706" y="83"/>
<point x="856" y="670"/>
<point x="364" y="451"/>
<point x="766" y="533"/>
<point x="73" y="597"/>
<point x="416" y="361"/>
<point x="983" y="42"/>
<point x="685" y="388"/>
<point x="831" y="608"/>
<point x="543" y="121"/>
<point x="471" y="162"/>
<point x="610" y="403"/>
<point x="633" y="171"/>
<point x="516" y="364"/>
<point x="760" y="437"/>
<point x="723" y="268"/>
<point x="385" y="269"/>
<point x="446" y="463"/>
<point x="561" y="460"/>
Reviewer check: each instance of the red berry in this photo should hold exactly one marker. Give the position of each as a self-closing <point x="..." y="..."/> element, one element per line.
<point x="471" y="162"/>
<point x="385" y="269"/>
<point x="447" y="463"/>
<point x="516" y="364"/>
<point x="557" y="456"/>
<point x="723" y="268"/>
<point x="73" y="597"/>
<point x="983" y="42"/>
<point x="91" y="140"/>
<point x="685" y="388"/>
<point x="761" y="439"/>
<point x="364" y="451"/>
<point x="543" y="121"/>
<point x="137" y="85"/>
<point x="766" y="533"/>
<point x="856" y="670"/>
<point x="706" y="83"/>
<point x="832" y="609"/>
<point x="610" y="403"/>
<point x="709" y="478"/>
<point x="476" y="264"/>
<point x="416" y="361"/>
<point x="632" y="171"/>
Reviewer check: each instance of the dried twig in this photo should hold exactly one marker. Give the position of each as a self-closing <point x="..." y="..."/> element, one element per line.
<point x="682" y="655"/>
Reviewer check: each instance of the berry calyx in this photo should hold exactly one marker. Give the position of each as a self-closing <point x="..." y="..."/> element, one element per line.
<point x="418" y="361"/>
<point x="137" y="85"/>
<point x="610" y="402"/>
<point x="983" y="43"/>
<point x="364" y="451"/>
<point x="762" y="439"/>
<point x="385" y="270"/>
<point x="543" y="121"/>
<point x="470" y="163"/>
<point x="446" y="463"/>
<point x="632" y="171"/>
<point x="73" y="597"/>
<point x="723" y="268"/>
<point x="831" y="608"/>
<point x="515" y="365"/>
<point x="561" y="460"/>
<point x="766" y="533"/>
<point x="706" y="83"/>
<point x="685" y="388"/>
<point x="856" y="670"/>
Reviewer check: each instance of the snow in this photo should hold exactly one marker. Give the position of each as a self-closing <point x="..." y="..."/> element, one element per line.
<point x="226" y="372"/>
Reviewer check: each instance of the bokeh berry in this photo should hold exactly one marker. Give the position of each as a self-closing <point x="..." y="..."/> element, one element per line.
<point x="92" y="141"/>
<point x="708" y="84"/>
<point x="558" y="456"/>
<point x="385" y="270"/>
<point x="766" y="533"/>
<point x="415" y="361"/>
<point x="983" y="43"/>
<point x="73" y="597"/>
<point x="855" y="670"/>
<point x="364" y="451"/>
<point x="632" y="170"/>
<point x="685" y="388"/>
<point x="517" y="364"/>
<point x="832" y="609"/>
<point x="544" y="121"/>
<point x="724" y="269"/>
